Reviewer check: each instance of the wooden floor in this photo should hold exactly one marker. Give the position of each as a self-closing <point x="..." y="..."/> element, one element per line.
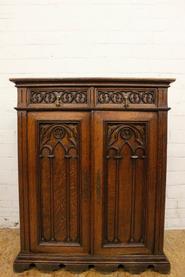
<point x="9" y="247"/>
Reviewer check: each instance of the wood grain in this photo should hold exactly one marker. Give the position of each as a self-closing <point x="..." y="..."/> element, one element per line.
<point x="123" y="205"/>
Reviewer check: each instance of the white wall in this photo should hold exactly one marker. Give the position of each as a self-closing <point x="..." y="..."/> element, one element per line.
<point x="92" y="38"/>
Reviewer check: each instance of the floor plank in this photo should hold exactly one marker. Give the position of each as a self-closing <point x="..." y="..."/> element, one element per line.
<point x="9" y="247"/>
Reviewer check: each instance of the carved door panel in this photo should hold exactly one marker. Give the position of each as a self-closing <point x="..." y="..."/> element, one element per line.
<point x="58" y="151"/>
<point x="125" y="181"/>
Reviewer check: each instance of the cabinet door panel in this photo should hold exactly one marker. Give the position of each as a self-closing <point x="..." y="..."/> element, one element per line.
<point x="125" y="180"/>
<point x="58" y="147"/>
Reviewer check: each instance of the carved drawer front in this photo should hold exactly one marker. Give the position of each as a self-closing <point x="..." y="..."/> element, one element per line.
<point x="126" y="97"/>
<point x="59" y="97"/>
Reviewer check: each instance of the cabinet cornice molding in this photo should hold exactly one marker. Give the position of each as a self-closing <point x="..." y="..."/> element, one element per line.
<point x="99" y="81"/>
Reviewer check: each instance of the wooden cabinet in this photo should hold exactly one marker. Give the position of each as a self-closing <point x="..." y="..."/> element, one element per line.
<point x="92" y="169"/>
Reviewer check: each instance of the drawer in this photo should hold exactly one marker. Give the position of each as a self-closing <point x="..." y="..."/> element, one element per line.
<point x="125" y="97"/>
<point x="67" y="97"/>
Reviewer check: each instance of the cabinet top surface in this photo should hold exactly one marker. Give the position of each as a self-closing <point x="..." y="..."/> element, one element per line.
<point x="26" y="82"/>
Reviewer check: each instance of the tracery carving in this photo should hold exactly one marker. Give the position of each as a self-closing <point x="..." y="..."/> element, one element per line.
<point x="64" y="133"/>
<point x="59" y="145"/>
<point x="119" y="135"/>
<point x="118" y="96"/>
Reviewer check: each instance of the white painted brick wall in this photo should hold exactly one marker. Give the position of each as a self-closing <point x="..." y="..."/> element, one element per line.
<point x="46" y="38"/>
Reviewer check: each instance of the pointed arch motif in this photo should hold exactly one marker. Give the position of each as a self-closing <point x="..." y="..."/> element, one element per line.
<point x="59" y="164"/>
<point x="64" y="134"/>
<point x="119" y="134"/>
<point x="125" y="147"/>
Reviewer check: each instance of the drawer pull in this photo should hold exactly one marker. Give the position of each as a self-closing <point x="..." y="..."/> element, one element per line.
<point x="126" y="104"/>
<point x="58" y="102"/>
<point x="134" y="157"/>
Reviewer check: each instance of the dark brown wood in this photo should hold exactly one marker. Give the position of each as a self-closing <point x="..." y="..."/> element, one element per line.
<point x="59" y="181"/>
<point x="125" y="189"/>
<point x="23" y="181"/>
<point x="92" y="169"/>
<point x="52" y="82"/>
<point x="131" y="263"/>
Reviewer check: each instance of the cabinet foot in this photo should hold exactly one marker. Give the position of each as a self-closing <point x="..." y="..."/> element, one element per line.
<point x="139" y="268"/>
<point x="106" y="268"/>
<point x="162" y="268"/>
<point x="20" y="267"/>
<point x="77" y="268"/>
<point x="134" y="268"/>
<point x="47" y="266"/>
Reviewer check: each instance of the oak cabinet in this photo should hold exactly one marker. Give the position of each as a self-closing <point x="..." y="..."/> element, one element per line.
<point x="92" y="168"/>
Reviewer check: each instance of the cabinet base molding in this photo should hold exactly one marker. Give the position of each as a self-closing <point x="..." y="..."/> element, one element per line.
<point x="135" y="264"/>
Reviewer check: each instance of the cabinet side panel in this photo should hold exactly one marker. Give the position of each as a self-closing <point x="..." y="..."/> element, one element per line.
<point x="23" y="181"/>
<point x="161" y="182"/>
<point x="22" y="95"/>
<point x="162" y="97"/>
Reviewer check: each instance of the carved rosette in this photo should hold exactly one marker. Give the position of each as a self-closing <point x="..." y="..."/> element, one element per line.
<point x="119" y="96"/>
<point x="120" y="134"/>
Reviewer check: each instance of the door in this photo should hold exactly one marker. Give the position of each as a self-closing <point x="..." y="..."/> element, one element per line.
<point x="124" y="182"/>
<point x="59" y="183"/>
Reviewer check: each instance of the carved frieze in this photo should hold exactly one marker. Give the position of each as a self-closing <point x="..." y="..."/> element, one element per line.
<point x="62" y="96"/>
<point x="120" y="96"/>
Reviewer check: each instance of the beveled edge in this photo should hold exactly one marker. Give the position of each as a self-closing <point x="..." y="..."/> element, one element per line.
<point x="91" y="81"/>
